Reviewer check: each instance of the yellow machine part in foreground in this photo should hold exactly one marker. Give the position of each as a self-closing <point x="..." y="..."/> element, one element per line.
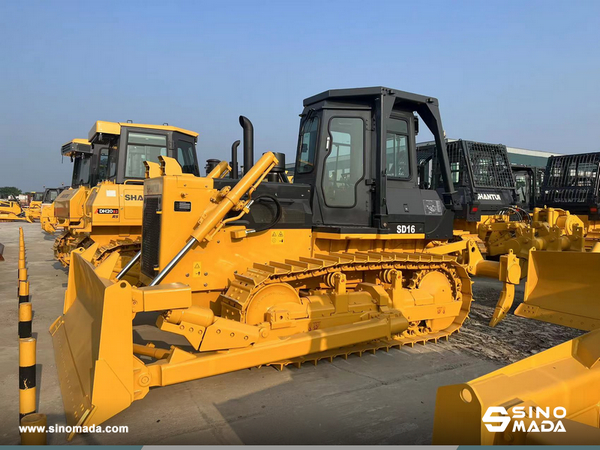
<point x="567" y="376"/>
<point x="563" y="288"/>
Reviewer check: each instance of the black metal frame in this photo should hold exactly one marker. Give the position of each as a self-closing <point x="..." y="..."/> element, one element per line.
<point x="389" y="201"/>
<point x="576" y="192"/>
<point x="480" y="193"/>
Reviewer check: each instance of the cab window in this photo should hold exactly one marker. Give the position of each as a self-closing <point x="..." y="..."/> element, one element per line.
<point x="185" y="157"/>
<point x="143" y="147"/>
<point x="307" y="146"/>
<point x="81" y="171"/>
<point x="113" y="156"/>
<point x="344" y="165"/>
<point x="103" y="165"/>
<point x="396" y="149"/>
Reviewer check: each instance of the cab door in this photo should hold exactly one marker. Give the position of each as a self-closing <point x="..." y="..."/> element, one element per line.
<point x="344" y="196"/>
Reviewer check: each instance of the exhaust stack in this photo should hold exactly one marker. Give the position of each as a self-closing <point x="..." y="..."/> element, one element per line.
<point x="248" y="143"/>
<point x="234" y="160"/>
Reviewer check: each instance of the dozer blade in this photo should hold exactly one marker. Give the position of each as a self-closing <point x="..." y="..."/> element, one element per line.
<point x="566" y="377"/>
<point x="93" y="345"/>
<point x="563" y="288"/>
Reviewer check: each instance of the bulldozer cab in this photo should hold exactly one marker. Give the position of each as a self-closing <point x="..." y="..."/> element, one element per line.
<point x="50" y="195"/>
<point x="357" y="151"/>
<point x="528" y="181"/>
<point x="37" y="196"/>
<point x="480" y="171"/>
<point x="85" y="162"/>
<point x="123" y="148"/>
<point x="571" y="182"/>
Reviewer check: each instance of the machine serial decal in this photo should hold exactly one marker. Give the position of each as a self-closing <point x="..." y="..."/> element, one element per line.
<point x="406" y="229"/>
<point x="113" y="211"/>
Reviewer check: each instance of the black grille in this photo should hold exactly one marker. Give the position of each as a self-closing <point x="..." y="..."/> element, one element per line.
<point x="150" y="236"/>
<point x="571" y="179"/>
<point x="486" y="164"/>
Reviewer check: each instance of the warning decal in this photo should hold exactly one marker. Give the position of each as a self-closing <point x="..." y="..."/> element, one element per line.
<point x="197" y="270"/>
<point x="277" y="237"/>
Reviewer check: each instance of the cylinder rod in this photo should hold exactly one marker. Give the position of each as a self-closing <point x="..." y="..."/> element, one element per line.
<point x="129" y="265"/>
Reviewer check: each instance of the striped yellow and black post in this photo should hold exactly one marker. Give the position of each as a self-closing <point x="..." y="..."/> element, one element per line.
<point x="23" y="286"/>
<point x="36" y="433"/>
<point x="27" y="389"/>
<point x="21" y="249"/>
<point x="25" y="317"/>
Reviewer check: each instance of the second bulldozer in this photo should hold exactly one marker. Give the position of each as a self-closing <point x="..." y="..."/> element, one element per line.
<point x="11" y="211"/>
<point x="351" y="257"/>
<point x="105" y="206"/>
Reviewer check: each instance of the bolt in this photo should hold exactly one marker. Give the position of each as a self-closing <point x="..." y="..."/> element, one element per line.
<point x="218" y="331"/>
<point x="187" y="274"/>
<point x="232" y="334"/>
<point x="182" y="327"/>
<point x="205" y="274"/>
<point x="205" y="284"/>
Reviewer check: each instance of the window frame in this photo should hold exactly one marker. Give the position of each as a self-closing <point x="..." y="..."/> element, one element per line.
<point x="408" y="152"/>
<point x="326" y="155"/>
<point x="318" y="116"/>
<point x="176" y="147"/>
<point x="127" y="144"/>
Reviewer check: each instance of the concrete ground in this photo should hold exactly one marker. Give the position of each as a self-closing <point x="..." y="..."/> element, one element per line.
<point x="386" y="398"/>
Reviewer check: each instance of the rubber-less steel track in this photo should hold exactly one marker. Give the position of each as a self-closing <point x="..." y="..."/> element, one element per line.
<point x="312" y="271"/>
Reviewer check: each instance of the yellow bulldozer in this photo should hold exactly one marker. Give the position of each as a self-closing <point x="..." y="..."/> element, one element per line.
<point x="104" y="206"/>
<point x="86" y="168"/>
<point x="351" y="257"/>
<point x="483" y="179"/>
<point x="34" y="210"/>
<point x="572" y="182"/>
<point x="11" y="211"/>
<point x="46" y="209"/>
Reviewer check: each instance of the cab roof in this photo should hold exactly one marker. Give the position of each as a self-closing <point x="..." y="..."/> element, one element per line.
<point x="76" y="146"/>
<point x="369" y="92"/>
<point x="114" y="128"/>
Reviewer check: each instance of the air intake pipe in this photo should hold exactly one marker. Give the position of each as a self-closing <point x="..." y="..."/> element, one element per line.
<point x="234" y="162"/>
<point x="211" y="164"/>
<point x="277" y="173"/>
<point x="248" y="143"/>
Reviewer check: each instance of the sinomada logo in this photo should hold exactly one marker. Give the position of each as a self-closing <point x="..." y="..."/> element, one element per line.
<point x="532" y="419"/>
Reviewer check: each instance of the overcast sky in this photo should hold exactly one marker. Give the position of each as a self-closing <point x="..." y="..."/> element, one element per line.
<point x="521" y="73"/>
